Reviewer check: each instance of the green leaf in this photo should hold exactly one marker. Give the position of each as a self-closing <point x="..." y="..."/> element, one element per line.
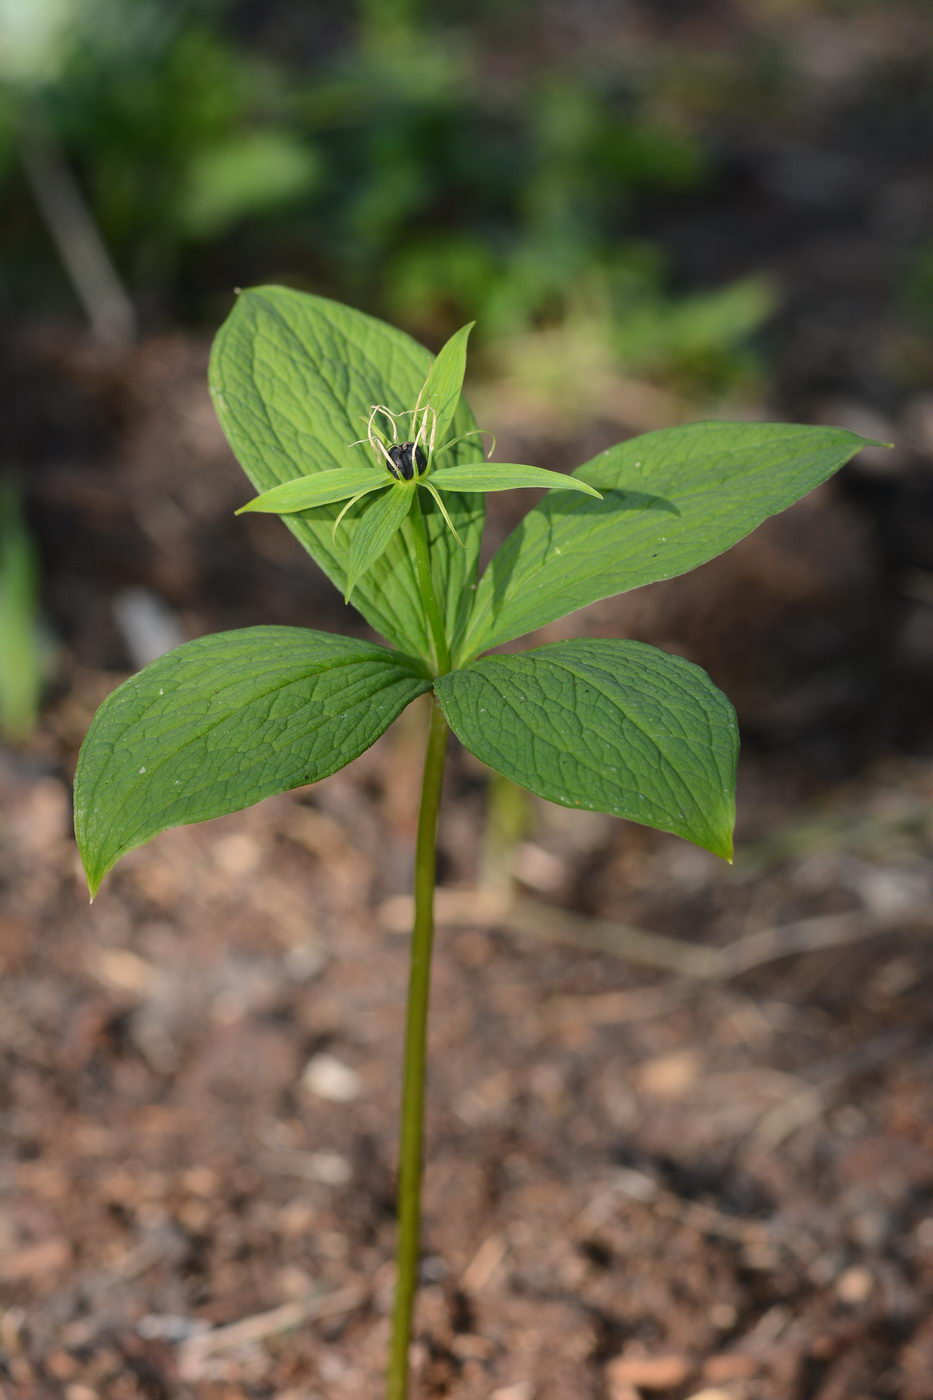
<point x="372" y="531"/>
<point x="505" y="476"/>
<point x="321" y="489"/>
<point x="293" y="378"/>
<point x="609" y="726"/>
<point x="224" y="721"/>
<point x="672" y="500"/>
<point x="444" y="384"/>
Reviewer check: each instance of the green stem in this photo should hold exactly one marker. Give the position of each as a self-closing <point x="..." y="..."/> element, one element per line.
<point x="432" y="611"/>
<point x="416" y="1032"/>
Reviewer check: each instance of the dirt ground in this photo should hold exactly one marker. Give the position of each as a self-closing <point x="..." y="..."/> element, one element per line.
<point x="681" y="1115"/>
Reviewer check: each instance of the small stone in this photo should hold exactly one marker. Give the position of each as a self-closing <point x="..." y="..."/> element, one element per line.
<point x="35" y="1260"/>
<point x="294" y="1282"/>
<point x="729" y="1366"/>
<point x="669" y="1076"/>
<point x="469" y="1347"/>
<point x="43" y="819"/>
<point x="201" y="1181"/>
<point x="147" y="624"/>
<point x="647" y="1372"/>
<point x="723" y="1316"/>
<point x="329" y="1078"/>
<point x="854" y="1286"/>
<point x="329" y="1168"/>
<point x="61" y="1365"/>
<point x="237" y="855"/>
<point x="539" y="869"/>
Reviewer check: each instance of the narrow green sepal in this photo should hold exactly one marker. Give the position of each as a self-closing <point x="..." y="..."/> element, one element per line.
<point x="321" y="489"/>
<point x="429" y="487"/>
<point x="373" y="531"/>
<point x="348" y="505"/>
<point x="442" y="389"/>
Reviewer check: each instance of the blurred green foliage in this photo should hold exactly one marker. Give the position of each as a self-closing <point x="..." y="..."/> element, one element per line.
<point x="697" y="340"/>
<point x="20" y="653"/>
<point x="174" y="133"/>
<point x="917" y="287"/>
<point x="404" y="172"/>
<point x="909" y="355"/>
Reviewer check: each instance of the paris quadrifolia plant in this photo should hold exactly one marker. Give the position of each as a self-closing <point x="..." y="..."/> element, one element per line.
<point x="365" y="446"/>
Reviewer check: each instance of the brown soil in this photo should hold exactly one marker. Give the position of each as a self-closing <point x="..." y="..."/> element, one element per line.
<point x="654" y="1170"/>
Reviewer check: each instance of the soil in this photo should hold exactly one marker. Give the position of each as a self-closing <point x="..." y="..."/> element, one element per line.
<point x="681" y="1115"/>
<point x="681" y="1123"/>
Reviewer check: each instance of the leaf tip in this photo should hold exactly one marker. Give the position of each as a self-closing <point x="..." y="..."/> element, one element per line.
<point x="723" y="847"/>
<point x="94" y="882"/>
<point x="864" y="441"/>
<point x="580" y="485"/>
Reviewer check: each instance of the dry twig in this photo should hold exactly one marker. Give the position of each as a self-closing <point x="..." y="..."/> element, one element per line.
<point x="194" y="1352"/>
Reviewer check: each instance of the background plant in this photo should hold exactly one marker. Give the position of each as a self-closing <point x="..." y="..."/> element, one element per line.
<point x="21" y="659"/>
<point x="606" y="725"/>
<point x="401" y="172"/>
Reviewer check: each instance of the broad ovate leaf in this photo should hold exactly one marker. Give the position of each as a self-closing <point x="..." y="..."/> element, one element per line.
<point x="224" y="721"/>
<point x="293" y="378"/>
<point x="506" y="476"/>
<point x="672" y="499"/>
<point x="608" y="726"/>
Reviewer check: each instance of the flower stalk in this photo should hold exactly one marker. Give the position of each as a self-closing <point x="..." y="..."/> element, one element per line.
<point x="411" y="1145"/>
